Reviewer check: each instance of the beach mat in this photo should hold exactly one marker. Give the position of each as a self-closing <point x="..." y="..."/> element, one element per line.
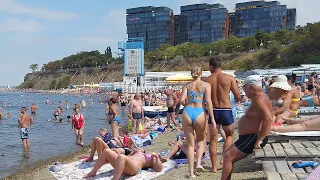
<point x="78" y="169"/>
<point x="301" y="134"/>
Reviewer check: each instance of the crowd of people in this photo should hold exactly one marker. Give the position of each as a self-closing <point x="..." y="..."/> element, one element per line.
<point x="207" y="112"/>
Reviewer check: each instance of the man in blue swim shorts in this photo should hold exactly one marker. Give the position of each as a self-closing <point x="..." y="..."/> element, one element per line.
<point x="253" y="127"/>
<point x="221" y="85"/>
<point x="24" y="122"/>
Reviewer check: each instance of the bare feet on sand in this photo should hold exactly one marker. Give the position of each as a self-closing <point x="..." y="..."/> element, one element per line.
<point x="89" y="159"/>
<point x="163" y="159"/>
<point x="91" y="174"/>
<point x="170" y="143"/>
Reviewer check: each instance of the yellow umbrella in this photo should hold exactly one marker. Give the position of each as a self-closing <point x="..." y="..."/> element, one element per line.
<point x="179" y="78"/>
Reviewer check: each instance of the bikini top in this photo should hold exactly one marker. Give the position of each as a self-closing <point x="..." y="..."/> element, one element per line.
<point x="194" y="95"/>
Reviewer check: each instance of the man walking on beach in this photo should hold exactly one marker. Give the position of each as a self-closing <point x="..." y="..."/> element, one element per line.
<point x="172" y="102"/>
<point x="221" y="85"/>
<point x="25" y="121"/>
<point x="253" y="127"/>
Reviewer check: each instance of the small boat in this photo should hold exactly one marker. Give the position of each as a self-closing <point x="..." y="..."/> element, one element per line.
<point x="154" y="111"/>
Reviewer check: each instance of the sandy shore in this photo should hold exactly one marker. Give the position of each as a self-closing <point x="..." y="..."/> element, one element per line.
<point x="245" y="169"/>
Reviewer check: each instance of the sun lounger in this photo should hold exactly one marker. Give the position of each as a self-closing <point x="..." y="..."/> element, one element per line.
<point x="308" y="111"/>
<point x="305" y="135"/>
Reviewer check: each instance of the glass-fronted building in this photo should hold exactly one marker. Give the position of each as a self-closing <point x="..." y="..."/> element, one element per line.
<point x="154" y="24"/>
<point x="291" y="19"/>
<point x="205" y="23"/>
<point x="269" y="16"/>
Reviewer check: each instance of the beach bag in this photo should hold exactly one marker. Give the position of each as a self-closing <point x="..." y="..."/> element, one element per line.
<point x="140" y="127"/>
<point x="129" y="125"/>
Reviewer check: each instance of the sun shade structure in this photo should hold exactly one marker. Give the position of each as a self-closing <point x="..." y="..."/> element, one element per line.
<point x="179" y="78"/>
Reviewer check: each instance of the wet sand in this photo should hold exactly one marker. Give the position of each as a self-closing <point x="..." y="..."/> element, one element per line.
<point x="244" y="169"/>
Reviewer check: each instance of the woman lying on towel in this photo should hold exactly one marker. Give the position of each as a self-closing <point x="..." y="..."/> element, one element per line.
<point x="304" y="125"/>
<point x="129" y="165"/>
<point x="106" y="142"/>
<point x="311" y="101"/>
<point x="179" y="151"/>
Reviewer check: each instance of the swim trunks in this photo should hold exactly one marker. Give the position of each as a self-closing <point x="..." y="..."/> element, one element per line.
<point x="246" y="143"/>
<point x="310" y="87"/>
<point x="127" y="151"/>
<point x="170" y="110"/>
<point x="123" y="104"/>
<point x="222" y="116"/>
<point x="24" y="133"/>
<point x="137" y="115"/>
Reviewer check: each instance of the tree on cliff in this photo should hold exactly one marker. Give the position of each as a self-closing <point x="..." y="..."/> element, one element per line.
<point x="34" y="67"/>
<point x="108" y="52"/>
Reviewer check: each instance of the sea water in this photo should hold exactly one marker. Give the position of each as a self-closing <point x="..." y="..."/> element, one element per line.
<point x="47" y="139"/>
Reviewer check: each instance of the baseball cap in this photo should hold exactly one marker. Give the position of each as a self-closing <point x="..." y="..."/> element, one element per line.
<point x="253" y="79"/>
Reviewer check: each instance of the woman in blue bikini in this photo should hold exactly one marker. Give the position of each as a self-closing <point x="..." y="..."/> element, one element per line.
<point x="129" y="165"/>
<point x="115" y="121"/>
<point x="197" y="93"/>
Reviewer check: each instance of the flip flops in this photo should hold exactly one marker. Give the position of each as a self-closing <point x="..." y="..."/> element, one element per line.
<point x="199" y="169"/>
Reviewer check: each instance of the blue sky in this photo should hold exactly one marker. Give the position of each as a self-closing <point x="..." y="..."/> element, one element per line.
<point x="33" y="31"/>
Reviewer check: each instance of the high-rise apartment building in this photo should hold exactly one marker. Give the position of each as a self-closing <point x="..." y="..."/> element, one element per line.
<point x="291" y="19"/>
<point x="250" y="17"/>
<point x="205" y="23"/>
<point x="154" y="24"/>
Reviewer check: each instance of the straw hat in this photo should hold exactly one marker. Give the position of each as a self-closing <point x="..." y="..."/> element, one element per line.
<point x="281" y="82"/>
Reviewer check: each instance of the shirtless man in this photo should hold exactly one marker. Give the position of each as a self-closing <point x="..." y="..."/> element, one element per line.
<point x="253" y="127"/>
<point x="136" y="113"/>
<point x="24" y="122"/>
<point x="0" y="113"/>
<point x="33" y="109"/>
<point x="172" y="102"/>
<point x="221" y="85"/>
<point x="178" y="94"/>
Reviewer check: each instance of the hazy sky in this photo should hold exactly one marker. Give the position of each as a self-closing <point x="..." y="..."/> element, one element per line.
<point x="33" y="31"/>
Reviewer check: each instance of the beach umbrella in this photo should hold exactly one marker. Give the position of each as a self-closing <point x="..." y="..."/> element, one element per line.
<point x="179" y="78"/>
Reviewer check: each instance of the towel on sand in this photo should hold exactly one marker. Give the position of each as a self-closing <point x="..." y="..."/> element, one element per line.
<point x="78" y="169"/>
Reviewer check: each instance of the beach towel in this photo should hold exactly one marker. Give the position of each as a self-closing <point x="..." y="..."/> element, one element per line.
<point x="78" y="169"/>
<point x="185" y="160"/>
<point x="142" y="142"/>
<point x="315" y="174"/>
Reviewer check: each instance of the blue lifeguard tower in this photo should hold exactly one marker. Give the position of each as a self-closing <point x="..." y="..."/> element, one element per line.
<point x="132" y="50"/>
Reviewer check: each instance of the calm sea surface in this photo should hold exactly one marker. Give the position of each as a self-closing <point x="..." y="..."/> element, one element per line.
<point x="47" y="139"/>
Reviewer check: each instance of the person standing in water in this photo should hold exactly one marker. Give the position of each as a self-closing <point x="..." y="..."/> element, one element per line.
<point x="115" y="121"/>
<point x="47" y="101"/>
<point x="24" y="122"/>
<point x="90" y="100"/>
<point x="33" y="109"/>
<point x="78" y="123"/>
<point x="221" y="85"/>
<point x="67" y="104"/>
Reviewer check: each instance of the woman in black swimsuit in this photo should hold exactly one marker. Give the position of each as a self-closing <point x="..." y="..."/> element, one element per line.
<point x="123" y="103"/>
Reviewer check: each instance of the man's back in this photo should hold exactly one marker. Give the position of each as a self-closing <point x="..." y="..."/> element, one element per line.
<point x="221" y="84"/>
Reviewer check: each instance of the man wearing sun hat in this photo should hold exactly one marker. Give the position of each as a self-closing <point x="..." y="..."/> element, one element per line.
<point x="281" y="99"/>
<point x="251" y="136"/>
